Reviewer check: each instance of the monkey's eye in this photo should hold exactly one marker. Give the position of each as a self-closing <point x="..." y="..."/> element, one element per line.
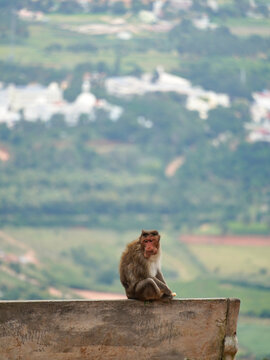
<point x="145" y="234"/>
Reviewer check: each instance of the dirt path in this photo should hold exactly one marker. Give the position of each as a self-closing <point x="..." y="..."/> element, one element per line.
<point x="4" y="155"/>
<point x="174" y="165"/>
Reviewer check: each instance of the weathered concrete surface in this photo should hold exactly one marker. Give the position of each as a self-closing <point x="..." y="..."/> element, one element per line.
<point x="193" y="329"/>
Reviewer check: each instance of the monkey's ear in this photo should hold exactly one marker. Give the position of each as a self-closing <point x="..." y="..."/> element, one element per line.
<point x="143" y="231"/>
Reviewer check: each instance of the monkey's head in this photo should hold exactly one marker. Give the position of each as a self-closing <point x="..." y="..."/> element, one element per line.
<point x="149" y="240"/>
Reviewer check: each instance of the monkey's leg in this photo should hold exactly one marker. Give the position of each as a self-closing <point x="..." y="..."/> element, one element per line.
<point x="163" y="287"/>
<point x="147" y="289"/>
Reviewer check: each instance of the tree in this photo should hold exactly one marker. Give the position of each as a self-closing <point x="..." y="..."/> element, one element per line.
<point x="230" y="120"/>
<point x="118" y="8"/>
<point x="10" y="25"/>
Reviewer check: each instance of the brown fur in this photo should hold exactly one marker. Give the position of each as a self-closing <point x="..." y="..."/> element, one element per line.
<point x="134" y="270"/>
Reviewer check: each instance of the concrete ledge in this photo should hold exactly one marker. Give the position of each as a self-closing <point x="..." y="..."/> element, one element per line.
<point x="197" y="329"/>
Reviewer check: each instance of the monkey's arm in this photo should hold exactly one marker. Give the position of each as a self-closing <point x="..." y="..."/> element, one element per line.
<point x="160" y="277"/>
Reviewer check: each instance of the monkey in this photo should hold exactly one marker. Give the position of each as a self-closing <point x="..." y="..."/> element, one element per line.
<point x="140" y="269"/>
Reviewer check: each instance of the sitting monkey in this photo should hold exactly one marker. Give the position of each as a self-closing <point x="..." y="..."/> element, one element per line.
<point x="140" y="269"/>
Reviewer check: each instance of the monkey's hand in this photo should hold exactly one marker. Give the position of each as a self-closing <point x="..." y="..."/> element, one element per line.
<point x="166" y="297"/>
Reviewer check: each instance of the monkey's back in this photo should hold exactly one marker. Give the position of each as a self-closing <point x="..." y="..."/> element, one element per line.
<point x="133" y="267"/>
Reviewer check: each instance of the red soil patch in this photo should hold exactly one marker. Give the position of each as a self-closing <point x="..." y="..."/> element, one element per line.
<point x="55" y="292"/>
<point x="4" y="155"/>
<point x="226" y="240"/>
<point x="174" y="165"/>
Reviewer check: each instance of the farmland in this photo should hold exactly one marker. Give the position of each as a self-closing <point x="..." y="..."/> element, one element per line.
<point x="50" y="44"/>
<point x="249" y="263"/>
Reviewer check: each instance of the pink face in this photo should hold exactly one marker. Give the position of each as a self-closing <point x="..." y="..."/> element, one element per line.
<point x="150" y="243"/>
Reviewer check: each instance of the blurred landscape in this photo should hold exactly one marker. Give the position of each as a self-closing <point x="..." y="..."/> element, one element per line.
<point x="122" y="115"/>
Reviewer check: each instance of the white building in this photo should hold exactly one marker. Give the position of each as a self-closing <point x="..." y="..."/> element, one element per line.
<point x="157" y="8"/>
<point x="164" y="82"/>
<point x="7" y="116"/>
<point x="213" y="5"/>
<point x="203" y="23"/>
<point x="259" y="132"/>
<point x="261" y="105"/>
<point x="26" y="14"/>
<point x="259" y="129"/>
<point x="198" y="99"/>
<point x="38" y="102"/>
<point x="125" y="86"/>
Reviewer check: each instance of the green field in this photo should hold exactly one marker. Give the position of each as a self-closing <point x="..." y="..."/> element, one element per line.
<point x="88" y="259"/>
<point x="248" y="262"/>
<point x="35" y="49"/>
<point x="253" y="336"/>
<point x="247" y="26"/>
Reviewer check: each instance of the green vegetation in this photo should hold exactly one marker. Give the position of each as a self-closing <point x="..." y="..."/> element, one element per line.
<point x="51" y="45"/>
<point x="253" y="336"/>
<point x="247" y="26"/>
<point x="218" y="260"/>
<point x="58" y="175"/>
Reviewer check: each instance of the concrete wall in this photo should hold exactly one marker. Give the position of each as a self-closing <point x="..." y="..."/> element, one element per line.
<point x="195" y="329"/>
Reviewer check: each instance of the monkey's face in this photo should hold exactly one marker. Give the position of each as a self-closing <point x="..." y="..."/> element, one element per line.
<point x="150" y="243"/>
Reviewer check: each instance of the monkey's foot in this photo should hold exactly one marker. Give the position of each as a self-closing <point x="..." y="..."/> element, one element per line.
<point x="166" y="297"/>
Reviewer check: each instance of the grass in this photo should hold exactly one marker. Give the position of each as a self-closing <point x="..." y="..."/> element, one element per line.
<point x="44" y="240"/>
<point x="148" y="61"/>
<point x="248" y="22"/>
<point x="50" y="244"/>
<point x="57" y="267"/>
<point x="178" y="257"/>
<point x="32" y="50"/>
<point x="250" y="30"/>
<point x="253" y="337"/>
<point x="247" y="262"/>
<point x="246" y="26"/>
